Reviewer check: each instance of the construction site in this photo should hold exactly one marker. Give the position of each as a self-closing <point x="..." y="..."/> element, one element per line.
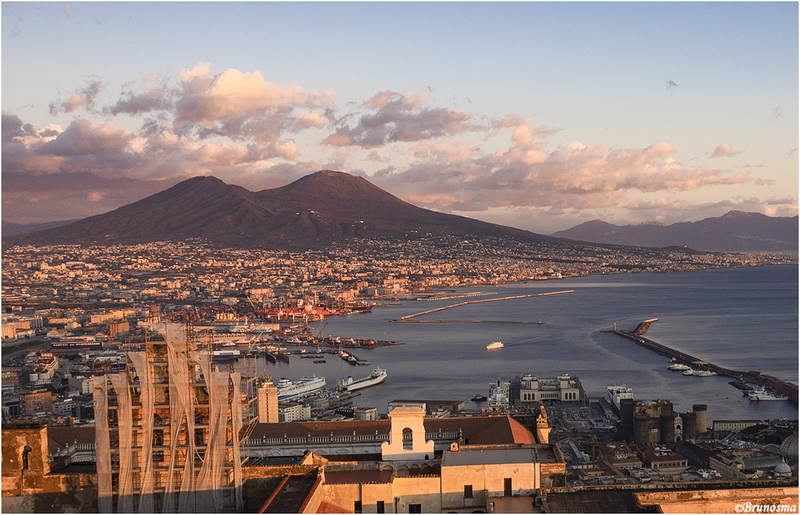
<point x="168" y="428"/>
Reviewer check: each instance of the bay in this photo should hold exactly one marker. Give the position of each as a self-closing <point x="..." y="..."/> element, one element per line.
<point x="744" y="319"/>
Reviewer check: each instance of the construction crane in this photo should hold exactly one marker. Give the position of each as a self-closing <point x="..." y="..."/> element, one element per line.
<point x="319" y="333"/>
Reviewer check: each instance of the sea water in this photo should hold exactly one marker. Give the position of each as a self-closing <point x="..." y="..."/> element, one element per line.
<point x="743" y="319"/>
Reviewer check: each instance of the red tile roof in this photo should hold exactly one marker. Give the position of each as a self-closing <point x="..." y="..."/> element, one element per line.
<point x="475" y="430"/>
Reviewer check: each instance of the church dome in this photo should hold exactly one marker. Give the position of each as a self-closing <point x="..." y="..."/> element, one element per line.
<point x="783" y="468"/>
<point x="789" y="447"/>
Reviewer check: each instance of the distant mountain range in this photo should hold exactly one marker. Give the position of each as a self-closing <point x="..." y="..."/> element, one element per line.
<point x="12" y="229"/>
<point x="735" y="231"/>
<point x="318" y="209"/>
<point x="328" y="206"/>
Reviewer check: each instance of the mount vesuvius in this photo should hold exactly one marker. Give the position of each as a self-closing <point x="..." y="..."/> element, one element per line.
<point x="318" y="209"/>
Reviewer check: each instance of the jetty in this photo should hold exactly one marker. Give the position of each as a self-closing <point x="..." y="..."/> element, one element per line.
<point x="740" y="377"/>
<point x="408" y="318"/>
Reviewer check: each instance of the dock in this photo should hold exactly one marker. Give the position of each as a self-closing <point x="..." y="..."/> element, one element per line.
<point x="408" y="318"/>
<point x="740" y="377"/>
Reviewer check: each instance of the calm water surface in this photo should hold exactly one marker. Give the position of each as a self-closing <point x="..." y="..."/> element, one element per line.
<point x="744" y="319"/>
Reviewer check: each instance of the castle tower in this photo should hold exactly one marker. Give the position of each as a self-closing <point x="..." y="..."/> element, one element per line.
<point x="689" y="425"/>
<point x="407" y="436"/>
<point x="700" y="411"/>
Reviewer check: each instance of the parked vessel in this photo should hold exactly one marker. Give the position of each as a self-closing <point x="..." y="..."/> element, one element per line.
<point x="377" y="376"/>
<point x="680" y="367"/>
<point x="617" y="393"/>
<point x="226" y="354"/>
<point x="287" y="390"/>
<point x="494" y="345"/>
<point x="760" y="394"/>
<point x="699" y="373"/>
<point x="704" y="373"/>
<point x="479" y="398"/>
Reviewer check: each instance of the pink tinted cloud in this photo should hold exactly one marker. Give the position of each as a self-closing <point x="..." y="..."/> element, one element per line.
<point x="87" y="137"/>
<point x="724" y="151"/>
<point x="527" y="173"/>
<point x="244" y="106"/>
<point x="393" y="117"/>
<point x="83" y="98"/>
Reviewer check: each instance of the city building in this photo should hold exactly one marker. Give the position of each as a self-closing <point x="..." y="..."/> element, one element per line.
<point x="564" y="388"/>
<point x="36" y="401"/>
<point x="267" y="402"/>
<point x="409" y="476"/>
<point x="167" y="430"/>
<point x="723" y="428"/>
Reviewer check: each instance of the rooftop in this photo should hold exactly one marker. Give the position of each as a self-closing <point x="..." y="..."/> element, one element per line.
<point x="466" y="457"/>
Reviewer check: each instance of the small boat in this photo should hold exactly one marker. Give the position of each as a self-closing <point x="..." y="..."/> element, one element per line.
<point x="705" y="373"/>
<point x="320" y="361"/>
<point x="479" y="398"/>
<point x="680" y="367"/>
<point x="494" y="345"/>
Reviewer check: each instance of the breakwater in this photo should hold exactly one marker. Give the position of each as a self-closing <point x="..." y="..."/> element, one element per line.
<point x="750" y="376"/>
<point x="408" y="318"/>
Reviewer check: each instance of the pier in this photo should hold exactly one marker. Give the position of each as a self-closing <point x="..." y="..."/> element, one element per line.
<point x="740" y="377"/>
<point x="408" y="318"/>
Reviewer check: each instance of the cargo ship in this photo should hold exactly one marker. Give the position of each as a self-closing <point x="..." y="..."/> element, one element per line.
<point x="377" y="376"/>
<point x="287" y="390"/>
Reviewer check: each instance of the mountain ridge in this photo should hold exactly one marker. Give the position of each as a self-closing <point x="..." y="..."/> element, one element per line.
<point x="735" y="231"/>
<point x="317" y="209"/>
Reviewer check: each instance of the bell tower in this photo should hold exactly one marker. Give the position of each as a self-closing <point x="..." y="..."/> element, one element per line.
<point x="407" y="436"/>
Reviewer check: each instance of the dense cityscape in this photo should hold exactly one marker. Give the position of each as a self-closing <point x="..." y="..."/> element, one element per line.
<point x="72" y="314"/>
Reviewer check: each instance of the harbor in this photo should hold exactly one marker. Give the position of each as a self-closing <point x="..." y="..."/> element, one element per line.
<point x="741" y="378"/>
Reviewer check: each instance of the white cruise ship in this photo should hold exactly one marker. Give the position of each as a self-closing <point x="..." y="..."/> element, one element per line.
<point x="288" y="390"/>
<point x="617" y="393"/>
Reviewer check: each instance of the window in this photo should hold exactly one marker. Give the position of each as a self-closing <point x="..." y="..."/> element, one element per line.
<point x="414" y="508"/>
<point x="380" y="508"/>
<point x="357" y="507"/>
<point x="467" y="491"/>
<point x="507" y="487"/>
<point x="25" y="451"/>
<point x="408" y="439"/>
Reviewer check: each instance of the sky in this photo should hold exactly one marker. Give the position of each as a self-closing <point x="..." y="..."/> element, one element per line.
<point x="535" y="115"/>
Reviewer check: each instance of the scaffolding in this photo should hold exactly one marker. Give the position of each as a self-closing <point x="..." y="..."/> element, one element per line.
<point x="168" y="429"/>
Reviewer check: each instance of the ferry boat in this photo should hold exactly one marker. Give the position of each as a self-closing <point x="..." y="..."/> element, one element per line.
<point x="760" y="394"/>
<point x="287" y="390"/>
<point x="679" y="367"/>
<point x="494" y="345"/>
<point x="377" y="376"/>
<point x="226" y="354"/>
<point x="617" y="393"/>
